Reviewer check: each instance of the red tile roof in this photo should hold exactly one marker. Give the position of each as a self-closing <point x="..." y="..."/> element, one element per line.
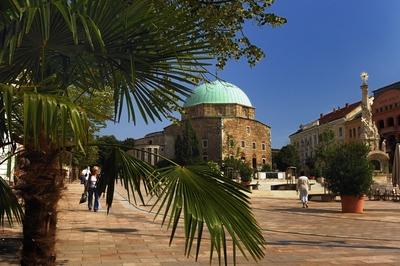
<point x="342" y="112"/>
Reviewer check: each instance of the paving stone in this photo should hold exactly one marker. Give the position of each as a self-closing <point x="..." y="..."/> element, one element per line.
<point x="320" y="235"/>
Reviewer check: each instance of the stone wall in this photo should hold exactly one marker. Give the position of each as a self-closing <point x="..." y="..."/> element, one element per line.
<point x="218" y="110"/>
<point x="239" y="136"/>
<point x="208" y="134"/>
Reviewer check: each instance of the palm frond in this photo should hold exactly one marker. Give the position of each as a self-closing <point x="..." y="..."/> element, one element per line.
<point x="53" y="116"/>
<point x="203" y="197"/>
<point x="195" y="193"/>
<point x="46" y="117"/>
<point x="133" y="174"/>
<point x="9" y="205"/>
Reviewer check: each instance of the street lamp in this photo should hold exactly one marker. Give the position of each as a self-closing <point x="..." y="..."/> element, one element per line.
<point x="364" y="78"/>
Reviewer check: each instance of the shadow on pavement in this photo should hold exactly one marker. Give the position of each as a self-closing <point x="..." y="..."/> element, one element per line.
<point x="339" y="244"/>
<point x="381" y="210"/>
<point x="301" y="210"/>
<point x="109" y="230"/>
<point x="9" y="250"/>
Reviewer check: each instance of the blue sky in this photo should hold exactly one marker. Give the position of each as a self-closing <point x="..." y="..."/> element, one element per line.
<point x="313" y="62"/>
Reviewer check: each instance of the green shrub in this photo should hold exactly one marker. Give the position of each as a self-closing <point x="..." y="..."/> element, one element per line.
<point x="244" y="169"/>
<point x="348" y="170"/>
<point x="245" y="172"/>
<point x="266" y="168"/>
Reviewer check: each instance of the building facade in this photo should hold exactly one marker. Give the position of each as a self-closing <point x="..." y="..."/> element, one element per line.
<point x="223" y="119"/>
<point x="357" y="122"/>
<point x="341" y="121"/>
<point x="386" y="114"/>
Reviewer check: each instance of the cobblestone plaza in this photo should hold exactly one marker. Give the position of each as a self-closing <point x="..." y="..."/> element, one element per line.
<point x="320" y="235"/>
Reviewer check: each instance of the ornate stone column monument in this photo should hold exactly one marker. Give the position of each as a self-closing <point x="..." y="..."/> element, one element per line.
<point x="369" y="131"/>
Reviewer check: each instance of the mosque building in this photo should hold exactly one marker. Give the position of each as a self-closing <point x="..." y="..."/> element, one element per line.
<point x="223" y="119"/>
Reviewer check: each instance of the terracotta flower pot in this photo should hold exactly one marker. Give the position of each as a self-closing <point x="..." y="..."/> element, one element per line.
<point x="352" y="204"/>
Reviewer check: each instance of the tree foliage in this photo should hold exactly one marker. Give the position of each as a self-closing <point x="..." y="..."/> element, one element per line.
<point x="232" y="165"/>
<point x="348" y="171"/>
<point x="326" y="144"/>
<point x="106" y="147"/>
<point x="222" y="24"/>
<point x="137" y="54"/>
<point x="128" y="144"/>
<point x="187" y="145"/>
<point x="287" y="156"/>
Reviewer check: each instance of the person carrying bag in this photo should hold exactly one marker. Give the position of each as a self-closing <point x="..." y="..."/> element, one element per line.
<point x="84" y="180"/>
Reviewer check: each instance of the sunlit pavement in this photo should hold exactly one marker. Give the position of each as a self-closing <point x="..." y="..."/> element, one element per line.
<point x="319" y="235"/>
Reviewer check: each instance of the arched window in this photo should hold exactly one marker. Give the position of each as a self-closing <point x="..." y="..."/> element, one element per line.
<point x="377" y="165"/>
<point x="390" y="122"/>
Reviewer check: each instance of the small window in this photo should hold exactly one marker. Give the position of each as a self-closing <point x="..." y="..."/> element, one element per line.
<point x="155" y="156"/>
<point x="149" y="155"/>
<point x="340" y="132"/>
<point x="243" y="143"/>
<point x="248" y="130"/>
<point x="359" y="131"/>
<point x="264" y="161"/>
<point x="205" y="143"/>
<point x="390" y="122"/>
<point x="350" y="133"/>
<point x="254" y="145"/>
<point x="354" y="132"/>
<point x="205" y="158"/>
<point x="231" y="143"/>
<point x="263" y="147"/>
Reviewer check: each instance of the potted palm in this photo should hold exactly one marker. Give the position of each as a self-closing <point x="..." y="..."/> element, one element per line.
<point x="349" y="174"/>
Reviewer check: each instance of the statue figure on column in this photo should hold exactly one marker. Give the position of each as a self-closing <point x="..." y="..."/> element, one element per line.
<point x="384" y="145"/>
<point x="370" y="135"/>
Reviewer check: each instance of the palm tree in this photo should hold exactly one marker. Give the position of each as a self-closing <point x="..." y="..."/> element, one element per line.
<point x="49" y="48"/>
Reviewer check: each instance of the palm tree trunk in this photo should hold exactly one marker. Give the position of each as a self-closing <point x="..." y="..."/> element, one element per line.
<point x="40" y="186"/>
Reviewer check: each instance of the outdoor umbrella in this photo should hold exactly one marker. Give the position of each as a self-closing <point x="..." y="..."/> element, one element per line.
<point x="396" y="166"/>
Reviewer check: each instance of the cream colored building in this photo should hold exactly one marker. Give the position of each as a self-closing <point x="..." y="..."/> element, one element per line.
<point x="307" y="138"/>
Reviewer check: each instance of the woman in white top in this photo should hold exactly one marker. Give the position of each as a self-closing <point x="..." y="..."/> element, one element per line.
<point x="92" y="189"/>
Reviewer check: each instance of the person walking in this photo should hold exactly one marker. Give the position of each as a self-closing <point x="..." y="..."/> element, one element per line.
<point x="85" y="177"/>
<point x="92" y="189"/>
<point x="302" y="187"/>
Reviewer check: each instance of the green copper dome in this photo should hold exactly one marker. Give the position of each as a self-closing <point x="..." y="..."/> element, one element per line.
<point x="218" y="92"/>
